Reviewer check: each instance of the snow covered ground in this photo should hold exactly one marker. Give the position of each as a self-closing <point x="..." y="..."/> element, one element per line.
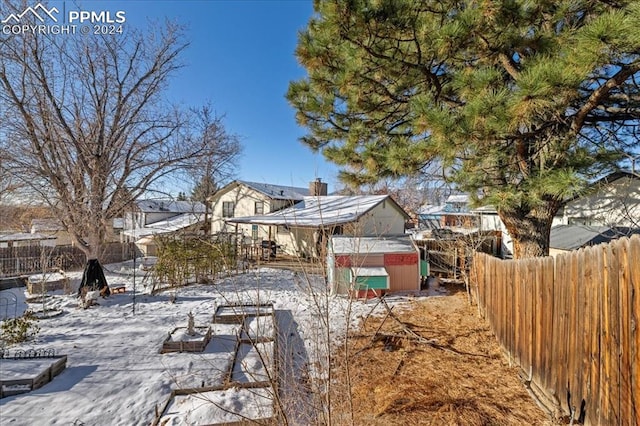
<point x="115" y="374"/>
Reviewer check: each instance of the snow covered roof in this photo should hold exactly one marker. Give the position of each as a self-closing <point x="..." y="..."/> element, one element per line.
<point x="320" y="211"/>
<point x="458" y="198"/>
<point x="277" y="192"/>
<point x="172" y="224"/>
<point x="372" y="245"/>
<point x="170" y="206"/>
<point x="489" y="209"/>
<point x="430" y="209"/>
<point x="46" y="225"/>
<point x="371" y="271"/>
<point x="25" y="236"/>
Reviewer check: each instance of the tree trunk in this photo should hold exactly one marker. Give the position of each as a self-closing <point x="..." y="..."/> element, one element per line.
<point x="530" y="230"/>
<point x="89" y="239"/>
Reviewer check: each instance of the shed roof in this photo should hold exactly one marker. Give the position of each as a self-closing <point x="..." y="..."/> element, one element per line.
<point x="372" y="245"/>
<point x="371" y="271"/>
<point x="321" y="211"/>
<point x="572" y="237"/>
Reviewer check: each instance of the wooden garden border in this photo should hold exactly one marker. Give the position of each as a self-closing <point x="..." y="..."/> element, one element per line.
<point x="227" y="382"/>
<point x="42" y="379"/>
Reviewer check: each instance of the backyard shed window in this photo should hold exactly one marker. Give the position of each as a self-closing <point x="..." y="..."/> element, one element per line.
<point x="227" y="208"/>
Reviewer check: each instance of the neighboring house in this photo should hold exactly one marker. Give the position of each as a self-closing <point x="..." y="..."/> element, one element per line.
<point x="52" y="228"/>
<point x="26" y="239"/>
<point x="457" y="213"/>
<point x="565" y="238"/>
<point x="242" y="198"/>
<point x="303" y="229"/>
<point x="148" y="218"/>
<point x="613" y="201"/>
<point x="454" y="213"/>
<point x="372" y="266"/>
<point x="488" y="220"/>
<point x="430" y="216"/>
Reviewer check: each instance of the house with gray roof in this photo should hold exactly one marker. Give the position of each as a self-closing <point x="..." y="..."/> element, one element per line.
<point x="242" y="198"/>
<point x="148" y="218"/>
<point x="304" y="227"/>
<point x="613" y="200"/>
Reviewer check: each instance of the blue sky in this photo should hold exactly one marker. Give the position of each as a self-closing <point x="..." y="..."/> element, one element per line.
<point x="242" y="58"/>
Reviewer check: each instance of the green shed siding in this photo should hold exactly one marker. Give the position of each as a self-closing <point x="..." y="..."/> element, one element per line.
<point x="372" y="282"/>
<point x="424" y="268"/>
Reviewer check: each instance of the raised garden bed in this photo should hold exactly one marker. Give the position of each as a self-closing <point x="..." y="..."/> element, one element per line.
<point x="39" y="284"/>
<point x="258" y="328"/>
<point x="210" y="406"/>
<point x="254" y="363"/>
<point x="22" y="375"/>
<point x="49" y="313"/>
<point x="230" y="314"/>
<point x="180" y="341"/>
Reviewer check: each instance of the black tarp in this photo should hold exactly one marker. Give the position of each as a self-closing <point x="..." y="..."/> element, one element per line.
<point x="93" y="279"/>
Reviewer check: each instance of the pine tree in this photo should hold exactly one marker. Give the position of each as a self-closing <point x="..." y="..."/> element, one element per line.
<point x="522" y="102"/>
<point x="204" y="189"/>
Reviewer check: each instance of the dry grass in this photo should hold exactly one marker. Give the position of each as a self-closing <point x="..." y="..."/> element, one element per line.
<point x="458" y="377"/>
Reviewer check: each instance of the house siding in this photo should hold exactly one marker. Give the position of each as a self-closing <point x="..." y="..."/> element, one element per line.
<point x="244" y="200"/>
<point x="615" y="204"/>
<point x="383" y="219"/>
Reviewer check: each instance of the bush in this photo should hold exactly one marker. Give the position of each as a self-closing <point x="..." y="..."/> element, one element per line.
<point x="18" y="330"/>
<point x="192" y="258"/>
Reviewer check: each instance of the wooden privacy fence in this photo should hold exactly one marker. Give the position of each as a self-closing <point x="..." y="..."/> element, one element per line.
<point x="15" y="261"/>
<point x="572" y="325"/>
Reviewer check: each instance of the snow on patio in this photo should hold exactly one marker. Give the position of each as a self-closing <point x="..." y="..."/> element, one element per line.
<point x="115" y="374"/>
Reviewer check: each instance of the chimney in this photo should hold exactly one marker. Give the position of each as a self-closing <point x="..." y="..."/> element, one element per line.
<point x="317" y="188"/>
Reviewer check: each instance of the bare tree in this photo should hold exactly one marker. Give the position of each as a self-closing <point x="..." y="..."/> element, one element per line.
<point x="86" y="125"/>
<point x="210" y="172"/>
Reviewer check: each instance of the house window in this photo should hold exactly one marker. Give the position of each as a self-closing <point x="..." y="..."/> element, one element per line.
<point x="227" y="208"/>
<point x="254" y="232"/>
<point x="259" y="207"/>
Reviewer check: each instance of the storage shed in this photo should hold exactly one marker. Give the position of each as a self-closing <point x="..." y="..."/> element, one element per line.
<point x="372" y="266"/>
